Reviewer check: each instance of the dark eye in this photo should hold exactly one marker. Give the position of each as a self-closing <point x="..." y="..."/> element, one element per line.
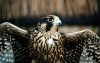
<point x="50" y="19"/>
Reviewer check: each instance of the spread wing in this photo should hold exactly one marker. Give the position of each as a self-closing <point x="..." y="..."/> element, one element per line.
<point x="12" y="29"/>
<point x="82" y="46"/>
<point x="13" y="44"/>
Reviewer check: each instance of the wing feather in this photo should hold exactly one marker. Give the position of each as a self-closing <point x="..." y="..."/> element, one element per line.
<point x="13" y="44"/>
<point x="82" y="46"/>
<point x="12" y="29"/>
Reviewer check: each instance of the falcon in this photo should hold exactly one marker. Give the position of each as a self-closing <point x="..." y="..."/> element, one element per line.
<point x="82" y="46"/>
<point x="46" y="44"/>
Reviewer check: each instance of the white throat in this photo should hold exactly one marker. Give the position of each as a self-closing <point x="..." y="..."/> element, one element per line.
<point x="50" y="41"/>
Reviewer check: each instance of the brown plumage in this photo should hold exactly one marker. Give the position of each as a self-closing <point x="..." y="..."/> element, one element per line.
<point x="14" y="40"/>
<point x="82" y="46"/>
<point x="50" y="46"/>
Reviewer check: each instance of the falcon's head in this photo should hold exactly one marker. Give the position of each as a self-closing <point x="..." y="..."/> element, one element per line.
<point x="51" y="20"/>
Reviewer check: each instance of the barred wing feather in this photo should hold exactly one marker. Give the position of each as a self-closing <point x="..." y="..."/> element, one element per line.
<point x="82" y="46"/>
<point x="13" y="44"/>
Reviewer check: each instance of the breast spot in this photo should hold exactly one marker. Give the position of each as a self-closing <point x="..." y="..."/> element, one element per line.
<point x="50" y="41"/>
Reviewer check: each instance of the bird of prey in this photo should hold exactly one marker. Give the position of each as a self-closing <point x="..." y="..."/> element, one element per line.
<point x="47" y="45"/>
<point x="78" y="47"/>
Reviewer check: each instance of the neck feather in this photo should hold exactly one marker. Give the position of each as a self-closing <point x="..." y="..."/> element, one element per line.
<point x="54" y="28"/>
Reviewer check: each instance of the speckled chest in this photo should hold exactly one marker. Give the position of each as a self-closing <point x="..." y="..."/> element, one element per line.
<point x="44" y="42"/>
<point x="48" y="46"/>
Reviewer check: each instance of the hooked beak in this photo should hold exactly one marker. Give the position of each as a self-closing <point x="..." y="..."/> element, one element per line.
<point x="57" y="22"/>
<point x="60" y="23"/>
